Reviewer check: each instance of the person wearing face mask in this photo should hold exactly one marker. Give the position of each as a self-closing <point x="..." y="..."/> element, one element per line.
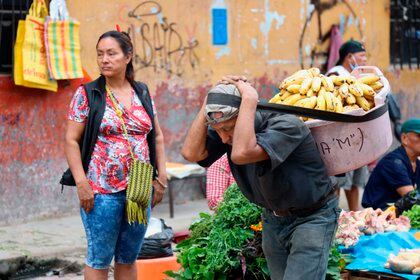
<point x="352" y="54"/>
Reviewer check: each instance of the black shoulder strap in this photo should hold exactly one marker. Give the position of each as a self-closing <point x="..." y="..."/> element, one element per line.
<point x="235" y="101"/>
<point x="143" y="93"/>
<point x="323" y="115"/>
<point x="96" y="102"/>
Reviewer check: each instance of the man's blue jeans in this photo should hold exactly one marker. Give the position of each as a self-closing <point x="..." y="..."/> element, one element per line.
<point x="298" y="247"/>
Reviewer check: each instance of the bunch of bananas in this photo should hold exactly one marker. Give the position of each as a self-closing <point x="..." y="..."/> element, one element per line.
<point x="310" y="89"/>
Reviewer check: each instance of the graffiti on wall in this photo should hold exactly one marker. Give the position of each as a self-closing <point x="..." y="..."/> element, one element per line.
<point x="316" y="48"/>
<point x="158" y="43"/>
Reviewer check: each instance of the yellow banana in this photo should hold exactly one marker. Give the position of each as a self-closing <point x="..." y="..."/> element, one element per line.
<point x="376" y="86"/>
<point x="344" y="90"/>
<point x="363" y="103"/>
<point x="338" y="80"/>
<point x="369" y="79"/>
<point x="338" y="106"/>
<point x="310" y="93"/>
<point x="350" y="99"/>
<point x="309" y="102"/>
<point x="302" y="72"/>
<point x="320" y="102"/>
<point x="368" y="92"/>
<point x="295" y="78"/>
<point x="328" y="99"/>
<point x="306" y="85"/>
<point x="284" y="94"/>
<point x="292" y="99"/>
<point x="369" y="97"/>
<point x="316" y="84"/>
<point x="351" y="80"/>
<point x="293" y="88"/>
<point x="314" y="71"/>
<point x="275" y="98"/>
<point x="355" y="90"/>
<point x="293" y="81"/>
<point x="327" y="83"/>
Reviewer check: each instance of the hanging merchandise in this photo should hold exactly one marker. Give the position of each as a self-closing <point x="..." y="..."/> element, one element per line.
<point x="33" y="68"/>
<point x="18" y="66"/>
<point x="62" y="43"/>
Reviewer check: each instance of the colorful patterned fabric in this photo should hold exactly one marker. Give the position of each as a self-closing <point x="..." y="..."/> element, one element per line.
<point x="109" y="166"/>
<point x="219" y="178"/>
<point x="62" y="45"/>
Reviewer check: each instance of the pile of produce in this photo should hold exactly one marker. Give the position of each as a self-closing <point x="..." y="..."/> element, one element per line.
<point x="407" y="261"/>
<point x="337" y="262"/>
<point x="351" y="225"/>
<point x="414" y="216"/>
<point x="228" y="244"/>
<point x="341" y="94"/>
<point x="223" y="245"/>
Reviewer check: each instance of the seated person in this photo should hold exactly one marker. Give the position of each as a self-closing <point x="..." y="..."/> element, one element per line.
<point x="219" y="178"/>
<point x="398" y="172"/>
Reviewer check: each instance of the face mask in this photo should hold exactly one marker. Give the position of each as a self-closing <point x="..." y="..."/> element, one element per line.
<point x="352" y="66"/>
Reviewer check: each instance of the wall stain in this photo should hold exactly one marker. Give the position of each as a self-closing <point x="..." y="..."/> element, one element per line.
<point x="160" y="45"/>
<point x="316" y="12"/>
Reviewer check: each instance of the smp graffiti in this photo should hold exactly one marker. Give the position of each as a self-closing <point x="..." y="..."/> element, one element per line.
<point x="160" y="45"/>
<point x="318" y="53"/>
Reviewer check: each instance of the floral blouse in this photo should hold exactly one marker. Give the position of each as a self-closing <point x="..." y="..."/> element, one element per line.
<point x="111" y="159"/>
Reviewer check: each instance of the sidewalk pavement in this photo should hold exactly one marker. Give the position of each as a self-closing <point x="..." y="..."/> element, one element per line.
<point x="65" y="237"/>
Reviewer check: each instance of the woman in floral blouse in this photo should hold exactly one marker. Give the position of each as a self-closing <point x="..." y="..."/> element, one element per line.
<point x="101" y="189"/>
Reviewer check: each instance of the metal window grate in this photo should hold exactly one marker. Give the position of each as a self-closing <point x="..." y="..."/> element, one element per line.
<point x="405" y="33"/>
<point x="11" y="11"/>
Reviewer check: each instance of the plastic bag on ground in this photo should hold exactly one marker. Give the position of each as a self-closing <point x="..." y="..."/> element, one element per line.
<point x="158" y="240"/>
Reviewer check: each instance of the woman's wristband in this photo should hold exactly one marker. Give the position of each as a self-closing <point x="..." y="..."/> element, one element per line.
<point x="160" y="183"/>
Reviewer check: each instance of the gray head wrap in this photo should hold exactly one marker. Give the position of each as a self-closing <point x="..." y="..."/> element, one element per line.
<point x="228" y="112"/>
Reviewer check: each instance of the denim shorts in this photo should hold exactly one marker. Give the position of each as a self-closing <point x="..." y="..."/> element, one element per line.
<point x="109" y="234"/>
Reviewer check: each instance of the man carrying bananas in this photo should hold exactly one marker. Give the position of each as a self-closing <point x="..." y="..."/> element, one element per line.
<point x="277" y="166"/>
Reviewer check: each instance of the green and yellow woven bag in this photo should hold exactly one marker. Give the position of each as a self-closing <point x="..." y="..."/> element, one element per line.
<point x="139" y="189"/>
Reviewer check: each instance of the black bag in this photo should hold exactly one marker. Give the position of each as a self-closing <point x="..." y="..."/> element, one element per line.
<point x="158" y="245"/>
<point x="407" y="202"/>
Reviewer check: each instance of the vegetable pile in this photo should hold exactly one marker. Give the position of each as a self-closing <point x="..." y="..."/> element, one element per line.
<point x="228" y="244"/>
<point x="223" y="246"/>
<point x="414" y="216"/>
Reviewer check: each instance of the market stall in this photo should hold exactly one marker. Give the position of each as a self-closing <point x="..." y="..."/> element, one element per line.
<point x="381" y="242"/>
<point x="349" y="121"/>
<point x="228" y="243"/>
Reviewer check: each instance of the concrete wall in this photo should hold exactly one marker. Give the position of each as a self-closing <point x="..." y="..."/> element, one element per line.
<point x="266" y="41"/>
<point x="32" y="123"/>
<point x="176" y="55"/>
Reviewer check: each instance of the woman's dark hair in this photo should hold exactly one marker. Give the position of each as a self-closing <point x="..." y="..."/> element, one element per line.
<point x="124" y="41"/>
